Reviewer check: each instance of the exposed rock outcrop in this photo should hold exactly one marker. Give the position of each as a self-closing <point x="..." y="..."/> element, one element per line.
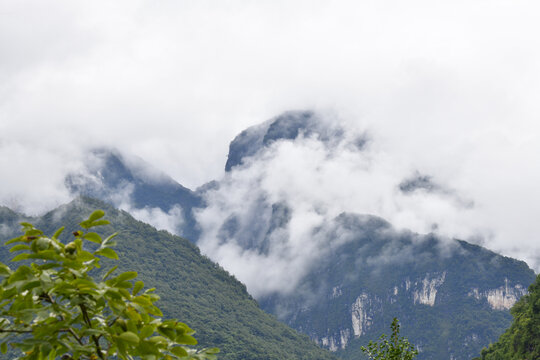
<point x="501" y="298"/>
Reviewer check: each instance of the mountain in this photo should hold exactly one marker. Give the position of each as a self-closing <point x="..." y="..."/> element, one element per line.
<point x="129" y="181"/>
<point x="450" y="296"/>
<point x="287" y="126"/>
<point x="343" y="279"/>
<point x="192" y="287"/>
<point x="522" y="339"/>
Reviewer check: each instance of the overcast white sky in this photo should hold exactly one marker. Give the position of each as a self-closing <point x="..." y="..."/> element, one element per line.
<point x="450" y="87"/>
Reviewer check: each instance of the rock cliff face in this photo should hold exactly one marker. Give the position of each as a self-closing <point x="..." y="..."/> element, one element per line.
<point x="501" y="298"/>
<point x="367" y="307"/>
<point x="362" y="311"/>
<point x="426" y="290"/>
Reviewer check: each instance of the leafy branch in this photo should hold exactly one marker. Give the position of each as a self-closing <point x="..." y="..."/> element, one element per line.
<point x="50" y="306"/>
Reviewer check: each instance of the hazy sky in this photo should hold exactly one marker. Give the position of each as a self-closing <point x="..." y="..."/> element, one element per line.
<point x="450" y="88"/>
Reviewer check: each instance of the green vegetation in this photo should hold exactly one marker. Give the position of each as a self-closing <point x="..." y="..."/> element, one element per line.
<point x="54" y="307"/>
<point x="522" y="340"/>
<point x="398" y="348"/>
<point x="191" y="287"/>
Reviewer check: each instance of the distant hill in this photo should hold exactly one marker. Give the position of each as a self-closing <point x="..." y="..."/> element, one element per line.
<point x="192" y="288"/>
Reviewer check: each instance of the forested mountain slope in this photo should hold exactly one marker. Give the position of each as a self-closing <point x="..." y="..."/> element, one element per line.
<point x="192" y="288"/>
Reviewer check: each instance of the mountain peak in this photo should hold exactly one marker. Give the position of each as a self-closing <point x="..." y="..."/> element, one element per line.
<point x="290" y="125"/>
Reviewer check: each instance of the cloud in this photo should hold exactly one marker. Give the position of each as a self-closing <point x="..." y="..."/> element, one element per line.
<point x="446" y="89"/>
<point x="6" y="230"/>
<point x="121" y="194"/>
<point x="33" y="175"/>
<point x="171" y="220"/>
<point x="314" y="181"/>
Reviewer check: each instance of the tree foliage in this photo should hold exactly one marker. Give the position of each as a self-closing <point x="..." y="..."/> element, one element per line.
<point x="522" y="339"/>
<point x="397" y="348"/>
<point x="51" y="306"/>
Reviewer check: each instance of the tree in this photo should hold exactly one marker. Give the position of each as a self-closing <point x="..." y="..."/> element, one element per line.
<point x="53" y="308"/>
<point x="398" y="348"/>
<point x="522" y="339"/>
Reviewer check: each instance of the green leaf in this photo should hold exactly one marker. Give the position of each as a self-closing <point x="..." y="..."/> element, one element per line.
<point x="129" y="337"/>
<point x="4" y="270"/>
<point x="45" y="255"/>
<point x="154" y="310"/>
<point x="186" y="339"/>
<point x="87" y="224"/>
<point x="33" y="232"/>
<point x="19" y="248"/>
<point x="3" y="348"/>
<point x="31" y="285"/>
<point x="86" y="256"/>
<point x="48" y="266"/>
<point x="93" y="237"/>
<point x="109" y="272"/>
<point x="211" y="351"/>
<point x="143" y="301"/>
<point x="179" y="351"/>
<point x="14" y="240"/>
<point x="124" y="285"/>
<point x="58" y="232"/>
<point x="107" y="252"/>
<point x="100" y="223"/>
<point x="158" y="340"/>
<point x="133" y="314"/>
<point x="124" y="293"/>
<point x="98" y="214"/>
<point x="128" y="275"/>
<point x="137" y="287"/>
<point x="121" y="349"/>
<point x="146" y="331"/>
<point x="114" y="294"/>
<point x="84" y="283"/>
<point x="20" y="257"/>
<point x="170" y="333"/>
<point x="109" y="238"/>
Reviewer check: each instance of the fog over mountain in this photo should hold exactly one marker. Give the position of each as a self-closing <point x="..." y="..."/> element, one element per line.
<point x="442" y="98"/>
<point x="273" y="215"/>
